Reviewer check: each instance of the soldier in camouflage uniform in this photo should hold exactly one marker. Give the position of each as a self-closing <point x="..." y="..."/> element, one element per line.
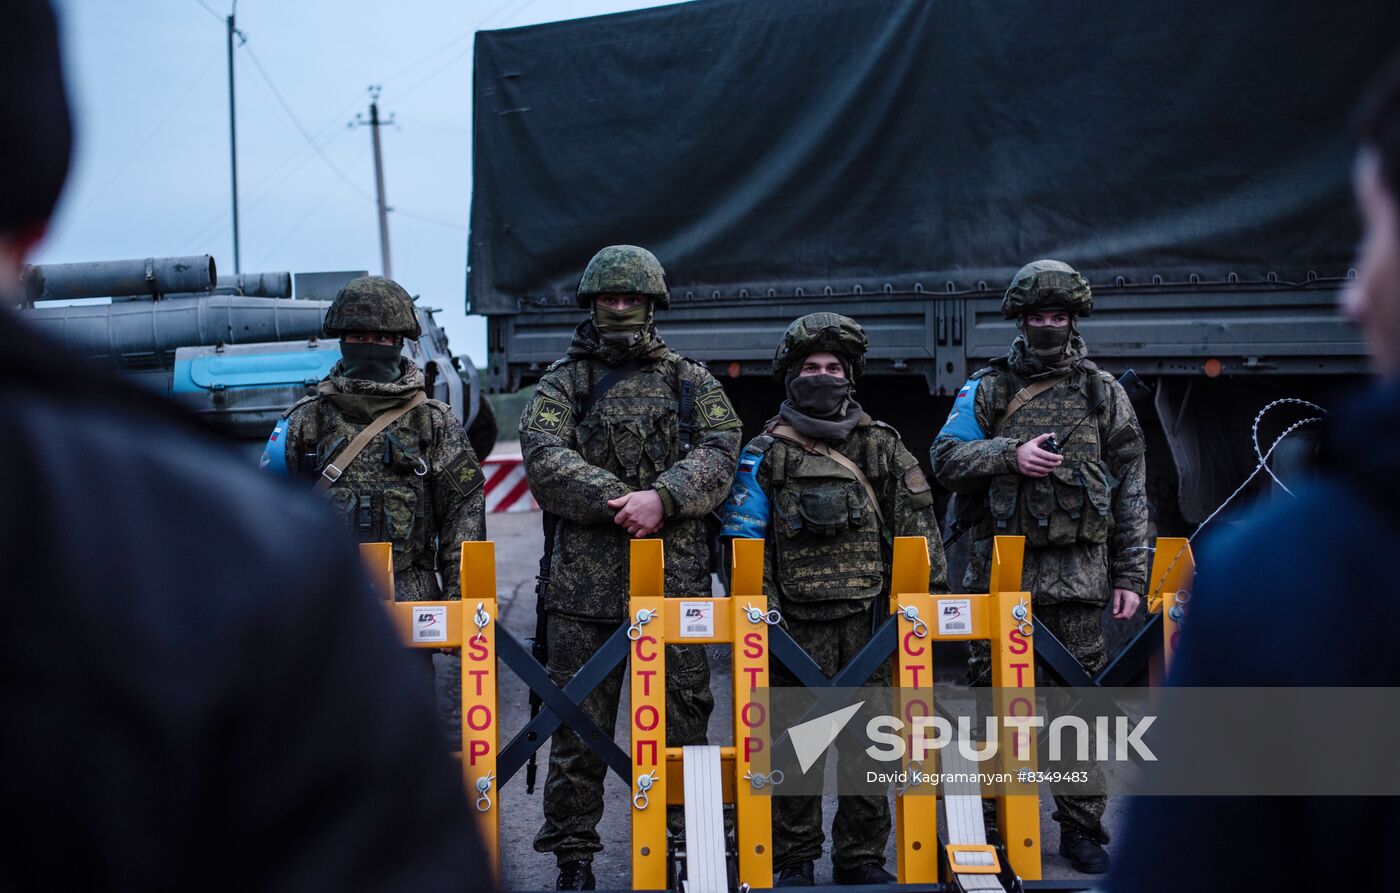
<point x="416" y="484"/>
<point x="828" y="534"/>
<point x="653" y="455"/>
<point x="1083" y="510"/>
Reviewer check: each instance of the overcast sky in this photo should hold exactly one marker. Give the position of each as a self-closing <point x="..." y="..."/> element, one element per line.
<point x="149" y="83"/>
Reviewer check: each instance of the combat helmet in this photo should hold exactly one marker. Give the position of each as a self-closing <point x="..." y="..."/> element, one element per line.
<point x="817" y="332"/>
<point x="1047" y="283"/>
<point x="372" y="304"/>
<point x="623" y="270"/>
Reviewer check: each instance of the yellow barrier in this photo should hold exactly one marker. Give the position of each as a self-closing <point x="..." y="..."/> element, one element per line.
<point x="1003" y="617"/>
<point x="1173" y="572"/>
<point x="469" y="625"/>
<point x="698" y="621"/>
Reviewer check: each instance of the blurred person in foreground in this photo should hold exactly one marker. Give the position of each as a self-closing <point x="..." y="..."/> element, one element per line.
<point x="1278" y="600"/>
<point x="198" y="688"/>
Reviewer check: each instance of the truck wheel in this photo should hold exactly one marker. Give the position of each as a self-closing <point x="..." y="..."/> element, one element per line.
<point x="482" y="434"/>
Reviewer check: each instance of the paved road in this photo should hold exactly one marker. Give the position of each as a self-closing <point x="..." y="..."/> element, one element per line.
<point x="519" y="541"/>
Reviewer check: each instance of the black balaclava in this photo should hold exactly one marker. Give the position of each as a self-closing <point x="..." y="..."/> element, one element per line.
<point x="372" y="362"/>
<point x="821" y="406"/>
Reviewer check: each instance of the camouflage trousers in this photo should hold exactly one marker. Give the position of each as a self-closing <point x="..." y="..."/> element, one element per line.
<point x="573" y="790"/>
<point x="861" y="827"/>
<point x="1077" y="625"/>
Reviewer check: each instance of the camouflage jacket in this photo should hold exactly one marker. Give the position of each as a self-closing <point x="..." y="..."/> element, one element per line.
<point x="1086" y="523"/>
<point x="417" y="484"/>
<point x="630" y="440"/>
<point x="826" y="553"/>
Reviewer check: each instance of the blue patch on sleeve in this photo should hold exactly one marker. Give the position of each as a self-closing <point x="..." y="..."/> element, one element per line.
<point x="274" y="457"/>
<point x="962" y="421"/>
<point x="746" y="511"/>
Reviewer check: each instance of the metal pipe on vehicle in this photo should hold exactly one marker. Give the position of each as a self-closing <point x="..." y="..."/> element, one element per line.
<point x="135" y="334"/>
<point x="152" y="276"/>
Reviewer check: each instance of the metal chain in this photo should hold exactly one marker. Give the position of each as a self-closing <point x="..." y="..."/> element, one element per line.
<point x="644" y="616"/>
<point x="772" y="618"/>
<point x="481" y="619"/>
<point x="911" y="614"/>
<point x="1019" y="613"/>
<point x="759" y="780"/>
<point x="644" y="783"/>
<point x="483" y="789"/>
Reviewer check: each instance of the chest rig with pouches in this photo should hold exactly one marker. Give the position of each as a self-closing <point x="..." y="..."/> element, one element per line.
<point x="1072" y="504"/>
<point x="383" y="493"/>
<point x="829" y="539"/>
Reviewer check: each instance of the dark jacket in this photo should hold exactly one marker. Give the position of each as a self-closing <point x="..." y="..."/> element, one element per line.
<point x="1294" y="597"/>
<point x="198" y="688"/>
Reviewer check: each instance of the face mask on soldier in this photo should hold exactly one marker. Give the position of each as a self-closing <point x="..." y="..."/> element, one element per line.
<point x="370" y="362"/>
<point x="1047" y="342"/>
<point x="621" y="327"/>
<point x="820" y="396"/>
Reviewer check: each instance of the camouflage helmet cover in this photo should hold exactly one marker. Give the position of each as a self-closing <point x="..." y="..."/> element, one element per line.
<point x="818" y="332"/>
<point x="372" y="304"/>
<point x="1047" y="283"/>
<point x="623" y="270"/>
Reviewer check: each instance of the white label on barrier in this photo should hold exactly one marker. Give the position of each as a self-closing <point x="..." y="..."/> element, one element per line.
<point x="954" y="617"/>
<point x="430" y="623"/>
<point x="697" y="620"/>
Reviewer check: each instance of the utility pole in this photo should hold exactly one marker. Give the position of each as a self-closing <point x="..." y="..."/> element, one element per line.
<point x="374" y="123"/>
<point x="233" y="129"/>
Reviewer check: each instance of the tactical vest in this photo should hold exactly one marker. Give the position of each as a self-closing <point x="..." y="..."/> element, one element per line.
<point x="827" y="540"/>
<point x="1072" y="504"/>
<point x="634" y="432"/>
<point x="383" y="495"/>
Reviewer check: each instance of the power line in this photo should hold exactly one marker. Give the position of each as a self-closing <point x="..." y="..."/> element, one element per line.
<point x="306" y="134"/>
<point x="211" y="11"/>
<point x="434" y="73"/>
<point x="510" y="18"/>
<point x="306" y="217"/>
<point x="433" y="125"/>
<point x="460" y="227"/>
<point x="150" y="136"/>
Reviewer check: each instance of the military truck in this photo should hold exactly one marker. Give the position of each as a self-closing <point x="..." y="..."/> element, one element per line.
<point x="240" y="349"/>
<point x="898" y="160"/>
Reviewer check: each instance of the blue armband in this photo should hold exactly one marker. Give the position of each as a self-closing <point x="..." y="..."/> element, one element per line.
<point x="746" y="510"/>
<point x="274" y="457"/>
<point x="962" y="421"/>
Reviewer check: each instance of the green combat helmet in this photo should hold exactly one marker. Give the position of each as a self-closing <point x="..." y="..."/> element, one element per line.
<point x="1047" y="283"/>
<point x="372" y="304"/>
<point x="623" y="270"/>
<point x="817" y="332"/>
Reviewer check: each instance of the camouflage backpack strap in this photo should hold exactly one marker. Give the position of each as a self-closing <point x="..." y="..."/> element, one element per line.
<point x="1024" y="396"/>
<point x="337" y="465"/>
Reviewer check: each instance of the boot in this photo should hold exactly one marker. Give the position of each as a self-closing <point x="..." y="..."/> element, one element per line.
<point x="575" y="876"/>
<point x="795" y="874"/>
<point x="1083" y="852"/>
<point x="869" y="873"/>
